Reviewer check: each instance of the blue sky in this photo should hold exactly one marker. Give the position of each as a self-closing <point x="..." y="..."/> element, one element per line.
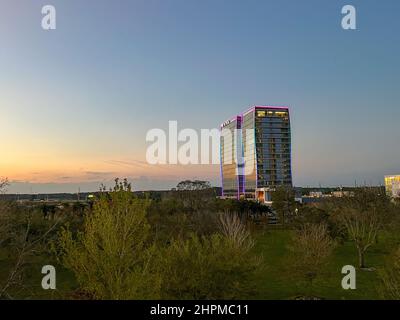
<point x="76" y="102"/>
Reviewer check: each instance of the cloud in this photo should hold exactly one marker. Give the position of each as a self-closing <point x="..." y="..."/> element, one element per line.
<point x="99" y="173"/>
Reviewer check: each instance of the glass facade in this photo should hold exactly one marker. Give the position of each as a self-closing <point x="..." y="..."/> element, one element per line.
<point x="230" y="143"/>
<point x="264" y="142"/>
<point x="392" y="185"/>
<point x="249" y="142"/>
<point x="273" y="147"/>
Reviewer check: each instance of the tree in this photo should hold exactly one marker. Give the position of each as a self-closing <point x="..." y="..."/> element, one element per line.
<point x="196" y="185"/>
<point x="283" y="202"/>
<point x="112" y="257"/>
<point x="363" y="216"/>
<point x="311" y="248"/>
<point x="362" y="228"/>
<point x="194" y="195"/>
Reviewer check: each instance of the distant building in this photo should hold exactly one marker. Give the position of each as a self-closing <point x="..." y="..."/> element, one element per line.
<point x="261" y="150"/>
<point x="392" y="185"/>
<point x="316" y="194"/>
<point x="341" y="194"/>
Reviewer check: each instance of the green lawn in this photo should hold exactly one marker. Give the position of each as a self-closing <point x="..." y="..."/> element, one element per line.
<point x="275" y="281"/>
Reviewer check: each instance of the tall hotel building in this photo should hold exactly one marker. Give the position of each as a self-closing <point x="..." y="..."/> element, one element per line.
<point x="256" y="153"/>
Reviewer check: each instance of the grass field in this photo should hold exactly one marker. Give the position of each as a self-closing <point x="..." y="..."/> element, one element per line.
<point x="273" y="282"/>
<point x="276" y="281"/>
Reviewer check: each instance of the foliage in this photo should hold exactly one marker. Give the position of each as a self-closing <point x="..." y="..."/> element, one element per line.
<point x="112" y="258"/>
<point x="115" y="257"/>
<point x="363" y="216"/>
<point x="311" y="248"/>
<point x="234" y="229"/>
<point x="390" y="277"/>
<point x="192" y="245"/>
<point x="189" y="185"/>
<point x="208" y="268"/>
<point x="283" y="202"/>
<point x="25" y="234"/>
<point x="194" y="195"/>
<point x="319" y="215"/>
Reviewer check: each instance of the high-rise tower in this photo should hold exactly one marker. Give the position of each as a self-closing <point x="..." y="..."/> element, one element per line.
<point x="262" y="146"/>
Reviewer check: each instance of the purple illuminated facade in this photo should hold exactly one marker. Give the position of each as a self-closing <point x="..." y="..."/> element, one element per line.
<point x="260" y="150"/>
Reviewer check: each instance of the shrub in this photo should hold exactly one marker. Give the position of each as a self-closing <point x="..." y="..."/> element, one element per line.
<point x="214" y="267"/>
<point x="112" y="258"/>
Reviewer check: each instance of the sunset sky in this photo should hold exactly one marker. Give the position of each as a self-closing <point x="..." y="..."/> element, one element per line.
<point x="76" y="102"/>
